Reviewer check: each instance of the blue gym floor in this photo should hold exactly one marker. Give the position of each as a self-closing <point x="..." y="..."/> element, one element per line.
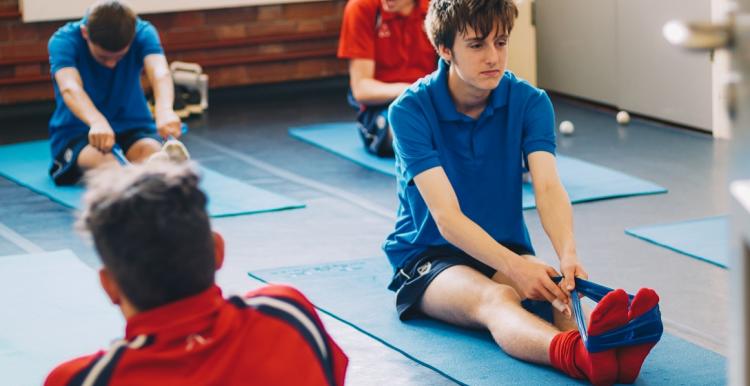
<point x="350" y="209"/>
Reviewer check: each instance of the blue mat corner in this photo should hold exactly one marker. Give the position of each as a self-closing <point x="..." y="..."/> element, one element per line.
<point x="705" y="239"/>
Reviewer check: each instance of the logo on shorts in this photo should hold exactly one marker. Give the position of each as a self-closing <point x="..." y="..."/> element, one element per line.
<point x="68" y="155"/>
<point x="424" y="268"/>
<point x="380" y="122"/>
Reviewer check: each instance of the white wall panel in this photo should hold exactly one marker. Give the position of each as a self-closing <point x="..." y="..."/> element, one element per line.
<point x="576" y="51"/>
<point x="655" y="78"/>
<point x="44" y="10"/>
<point x="613" y="52"/>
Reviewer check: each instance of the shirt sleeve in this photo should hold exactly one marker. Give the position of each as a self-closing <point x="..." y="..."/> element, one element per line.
<point x="62" y="53"/>
<point x="306" y="321"/>
<point x="413" y="141"/>
<point x="63" y="374"/>
<point x="538" y="125"/>
<point x="147" y="40"/>
<point x="357" y="40"/>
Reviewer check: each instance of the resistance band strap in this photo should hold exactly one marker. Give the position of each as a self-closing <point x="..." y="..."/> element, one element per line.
<point x="643" y="329"/>
<point x="120" y="155"/>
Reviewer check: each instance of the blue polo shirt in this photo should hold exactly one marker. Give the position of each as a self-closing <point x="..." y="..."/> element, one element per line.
<point x="116" y="93"/>
<point x="481" y="157"/>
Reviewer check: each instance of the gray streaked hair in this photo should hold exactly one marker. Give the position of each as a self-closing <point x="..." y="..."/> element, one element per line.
<point x="151" y="230"/>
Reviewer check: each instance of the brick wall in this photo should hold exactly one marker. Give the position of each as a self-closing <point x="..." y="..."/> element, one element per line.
<point x="236" y="46"/>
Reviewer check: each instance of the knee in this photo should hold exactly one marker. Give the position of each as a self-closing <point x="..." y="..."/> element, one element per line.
<point x="90" y="158"/>
<point x="497" y="296"/>
<point x="142" y="149"/>
<point x="149" y="145"/>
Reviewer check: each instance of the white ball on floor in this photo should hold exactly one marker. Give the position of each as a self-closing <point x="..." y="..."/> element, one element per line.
<point x="566" y="127"/>
<point x="623" y="118"/>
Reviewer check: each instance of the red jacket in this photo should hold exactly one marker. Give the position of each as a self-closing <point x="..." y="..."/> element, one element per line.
<point x="398" y="44"/>
<point x="272" y="336"/>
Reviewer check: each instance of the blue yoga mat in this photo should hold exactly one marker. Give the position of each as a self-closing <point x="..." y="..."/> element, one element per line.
<point x="355" y="293"/>
<point x="705" y="239"/>
<point x="27" y="164"/>
<point x="53" y="310"/>
<point x="583" y="181"/>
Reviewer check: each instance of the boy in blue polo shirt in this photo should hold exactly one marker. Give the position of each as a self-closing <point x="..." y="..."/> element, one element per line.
<point x="96" y="66"/>
<point x="460" y="249"/>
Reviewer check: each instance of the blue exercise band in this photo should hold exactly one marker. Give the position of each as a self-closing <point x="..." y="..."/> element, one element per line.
<point x="120" y="155"/>
<point x="646" y="328"/>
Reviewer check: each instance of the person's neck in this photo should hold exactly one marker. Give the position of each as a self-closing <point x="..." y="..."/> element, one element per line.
<point x="468" y="100"/>
<point x="407" y="10"/>
<point x="127" y="309"/>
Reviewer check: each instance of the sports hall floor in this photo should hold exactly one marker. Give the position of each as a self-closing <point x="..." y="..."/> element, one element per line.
<point x="351" y="209"/>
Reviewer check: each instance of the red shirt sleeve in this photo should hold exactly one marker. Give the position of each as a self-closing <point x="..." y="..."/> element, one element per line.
<point x="337" y="359"/>
<point x="357" y="40"/>
<point x="64" y="373"/>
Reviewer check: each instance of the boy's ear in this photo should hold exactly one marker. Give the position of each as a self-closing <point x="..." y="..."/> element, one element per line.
<point x="84" y="32"/>
<point x="110" y="286"/>
<point x="218" y="250"/>
<point x="445" y="53"/>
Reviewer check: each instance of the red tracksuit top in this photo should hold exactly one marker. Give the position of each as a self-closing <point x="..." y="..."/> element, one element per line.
<point x="271" y="336"/>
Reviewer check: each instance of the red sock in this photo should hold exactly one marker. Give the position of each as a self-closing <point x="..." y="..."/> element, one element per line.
<point x="630" y="358"/>
<point x="569" y="355"/>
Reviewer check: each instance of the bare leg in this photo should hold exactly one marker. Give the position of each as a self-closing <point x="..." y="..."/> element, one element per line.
<point x="91" y="157"/>
<point x="463" y="296"/>
<point x="142" y="149"/>
<point x="561" y="321"/>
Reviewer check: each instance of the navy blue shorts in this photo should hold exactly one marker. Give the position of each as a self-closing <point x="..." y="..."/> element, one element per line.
<point x="64" y="169"/>
<point x="411" y="281"/>
<point x="373" y="127"/>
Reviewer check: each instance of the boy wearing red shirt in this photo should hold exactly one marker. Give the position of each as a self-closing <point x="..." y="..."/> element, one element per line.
<point x="388" y="50"/>
<point x="152" y="233"/>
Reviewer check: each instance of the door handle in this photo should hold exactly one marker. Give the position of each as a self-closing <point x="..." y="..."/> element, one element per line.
<point x="706" y="36"/>
<point x="699" y="36"/>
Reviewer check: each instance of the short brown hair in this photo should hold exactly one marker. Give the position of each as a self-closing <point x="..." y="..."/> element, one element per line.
<point x="447" y="18"/>
<point x="110" y="25"/>
<point x="151" y="230"/>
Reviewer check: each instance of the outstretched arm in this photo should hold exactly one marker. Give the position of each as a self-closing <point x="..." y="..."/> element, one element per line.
<point x="157" y="71"/>
<point x="366" y="89"/>
<point x="101" y="135"/>
<point x="530" y="276"/>
<point x="556" y="213"/>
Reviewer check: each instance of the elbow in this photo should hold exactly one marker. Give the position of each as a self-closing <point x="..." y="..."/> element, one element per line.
<point x="361" y="93"/>
<point x="68" y="92"/>
<point x="162" y="78"/>
<point x="447" y="223"/>
<point x="552" y="192"/>
<point x="547" y="185"/>
<point x="357" y="92"/>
